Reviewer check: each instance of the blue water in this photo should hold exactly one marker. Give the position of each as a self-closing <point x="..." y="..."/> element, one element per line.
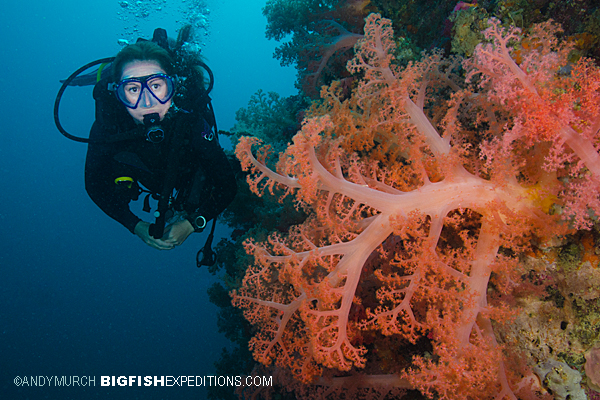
<point x="79" y="294"/>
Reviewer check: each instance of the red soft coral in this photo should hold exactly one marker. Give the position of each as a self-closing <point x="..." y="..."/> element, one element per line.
<point x="436" y="176"/>
<point x="553" y="103"/>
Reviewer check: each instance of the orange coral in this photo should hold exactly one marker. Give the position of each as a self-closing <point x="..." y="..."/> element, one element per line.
<point x="437" y="204"/>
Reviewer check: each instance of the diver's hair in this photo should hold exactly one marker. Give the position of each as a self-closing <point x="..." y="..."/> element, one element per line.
<point x="142" y="51"/>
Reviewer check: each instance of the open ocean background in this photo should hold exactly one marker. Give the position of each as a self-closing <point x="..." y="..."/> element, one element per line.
<point x="79" y="294"/>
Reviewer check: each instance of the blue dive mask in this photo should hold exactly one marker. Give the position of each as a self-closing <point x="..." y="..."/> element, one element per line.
<point x="145" y="91"/>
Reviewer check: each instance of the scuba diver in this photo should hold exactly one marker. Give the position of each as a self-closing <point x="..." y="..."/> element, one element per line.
<point x="155" y="133"/>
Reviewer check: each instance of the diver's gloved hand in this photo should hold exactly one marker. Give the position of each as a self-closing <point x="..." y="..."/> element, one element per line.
<point x="177" y="232"/>
<point x="141" y="230"/>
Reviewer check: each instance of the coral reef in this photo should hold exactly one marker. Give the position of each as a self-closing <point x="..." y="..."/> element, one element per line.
<point x="318" y="35"/>
<point x="323" y="34"/>
<point x="425" y="188"/>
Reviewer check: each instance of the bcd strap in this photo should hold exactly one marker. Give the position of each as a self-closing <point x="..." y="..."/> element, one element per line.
<point x="206" y="255"/>
<point x="181" y="129"/>
<point x="146" y="207"/>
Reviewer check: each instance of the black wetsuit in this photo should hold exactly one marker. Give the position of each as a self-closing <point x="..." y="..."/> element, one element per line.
<point x="204" y="184"/>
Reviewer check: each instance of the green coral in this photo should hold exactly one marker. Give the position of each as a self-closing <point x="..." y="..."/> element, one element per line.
<point x="570" y="256"/>
<point x="421" y="21"/>
<point x="579" y="284"/>
<point x="587" y="328"/>
<point x="579" y="19"/>
<point x="467" y="28"/>
<point x="286" y="17"/>
<point x="406" y="51"/>
<point x="271" y="118"/>
<point x="519" y="13"/>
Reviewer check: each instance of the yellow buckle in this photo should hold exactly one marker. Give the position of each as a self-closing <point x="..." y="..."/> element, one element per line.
<point x="124" y="181"/>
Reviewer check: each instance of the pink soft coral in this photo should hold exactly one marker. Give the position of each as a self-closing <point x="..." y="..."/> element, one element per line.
<point x="553" y="104"/>
<point x="435" y="207"/>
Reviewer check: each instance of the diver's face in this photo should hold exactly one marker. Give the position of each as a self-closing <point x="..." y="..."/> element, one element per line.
<point x="147" y="105"/>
